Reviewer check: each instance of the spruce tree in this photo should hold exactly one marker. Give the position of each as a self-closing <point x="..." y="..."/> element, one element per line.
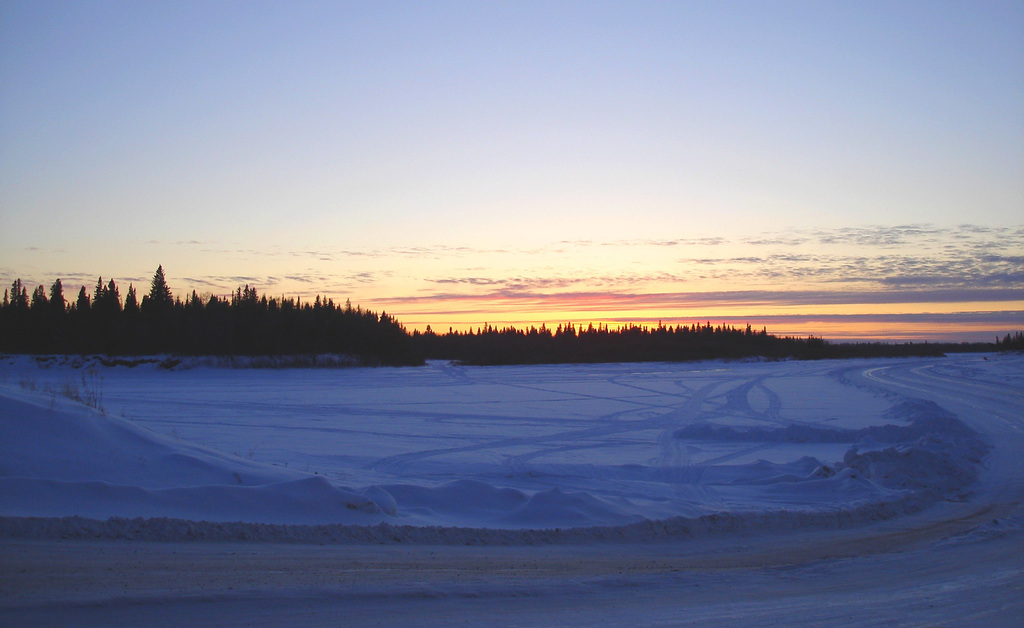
<point x="131" y="303"/>
<point x="159" y="292"/>
<point x="97" y="293"/>
<point x="112" y="296"/>
<point x="57" y="301"/>
<point x="39" y="300"/>
<point x="19" y="295"/>
<point x="82" y="303"/>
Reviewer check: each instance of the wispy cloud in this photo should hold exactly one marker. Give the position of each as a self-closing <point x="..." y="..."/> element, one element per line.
<point x="883" y="236"/>
<point x="752" y="298"/>
<point x="777" y="240"/>
<point x="560" y="283"/>
<point x="928" y="256"/>
<point x="1010" y="318"/>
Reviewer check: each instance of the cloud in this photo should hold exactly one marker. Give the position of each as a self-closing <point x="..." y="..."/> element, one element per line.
<point x="883" y="236"/>
<point x="320" y="282"/>
<point x="987" y="279"/>
<point x="749" y="298"/>
<point x="891" y="236"/>
<point x="1013" y="317"/>
<point x="473" y="281"/>
<point x="1017" y="260"/>
<point x="559" y="283"/>
<point x="776" y="241"/>
<point x="928" y="262"/>
<point x="644" y="242"/>
<point x="202" y="281"/>
<point x="958" y="267"/>
<point x="716" y="241"/>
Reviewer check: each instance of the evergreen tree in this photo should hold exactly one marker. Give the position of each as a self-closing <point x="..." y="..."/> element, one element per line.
<point x="19" y="296"/>
<point x="112" y="296"/>
<point x="159" y="292"/>
<point x="82" y="302"/>
<point x="57" y="301"/>
<point x="131" y="303"/>
<point x="39" y="300"/>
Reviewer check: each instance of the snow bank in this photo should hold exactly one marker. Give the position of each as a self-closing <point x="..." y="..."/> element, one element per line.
<point x="926" y="418"/>
<point x="934" y="455"/>
<point x="64" y="458"/>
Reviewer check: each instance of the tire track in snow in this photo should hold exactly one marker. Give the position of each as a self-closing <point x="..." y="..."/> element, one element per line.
<point x="673" y="456"/>
<point x="738" y="403"/>
<point x="610" y="425"/>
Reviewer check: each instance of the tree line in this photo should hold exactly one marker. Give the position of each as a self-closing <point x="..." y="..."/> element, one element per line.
<point x="246" y="323"/>
<point x="250" y="324"/>
<point x="1011" y="342"/>
<point x="568" y="343"/>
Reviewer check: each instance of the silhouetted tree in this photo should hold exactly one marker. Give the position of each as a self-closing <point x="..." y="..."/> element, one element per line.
<point x="57" y="301"/>
<point x="159" y="292"/>
<point x="82" y="302"/>
<point x="131" y="303"/>
<point x="19" y="296"/>
<point x="39" y="300"/>
<point x="1012" y="342"/>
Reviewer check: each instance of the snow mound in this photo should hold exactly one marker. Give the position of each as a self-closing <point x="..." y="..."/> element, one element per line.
<point x="925" y="418"/>
<point x="935" y="455"/>
<point x="64" y="458"/>
<point x="554" y="507"/>
<point x="456" y="501"/>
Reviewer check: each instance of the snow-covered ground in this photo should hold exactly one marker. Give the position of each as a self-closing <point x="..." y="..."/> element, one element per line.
<point x="634" y="491"/>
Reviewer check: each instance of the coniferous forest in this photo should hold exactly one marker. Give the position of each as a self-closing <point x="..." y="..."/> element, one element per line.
<point x="249" y="324"/>
<point x="158" y="323"/>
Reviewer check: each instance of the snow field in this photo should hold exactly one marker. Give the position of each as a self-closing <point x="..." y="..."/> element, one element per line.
<point x="468" y="454"/>
<point x="843" y="493"/>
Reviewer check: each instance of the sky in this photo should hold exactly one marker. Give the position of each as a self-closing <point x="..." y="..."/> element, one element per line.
<point x="851" y="170"/>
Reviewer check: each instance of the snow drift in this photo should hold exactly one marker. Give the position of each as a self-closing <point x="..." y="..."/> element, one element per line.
<point x="62" y="460"/>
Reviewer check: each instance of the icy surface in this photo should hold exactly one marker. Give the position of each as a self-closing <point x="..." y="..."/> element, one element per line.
<point x="609" y="448"/>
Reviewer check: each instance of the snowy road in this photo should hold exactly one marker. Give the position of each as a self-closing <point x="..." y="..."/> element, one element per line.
<point x="957" y="562"/>
<point x="774" y="580"/>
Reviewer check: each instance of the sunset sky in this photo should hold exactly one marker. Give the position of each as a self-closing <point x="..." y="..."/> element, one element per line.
<point x="840" y="169"/>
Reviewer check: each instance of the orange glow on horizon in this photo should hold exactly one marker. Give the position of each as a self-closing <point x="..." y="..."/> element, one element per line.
<point x="896" y="322"/>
